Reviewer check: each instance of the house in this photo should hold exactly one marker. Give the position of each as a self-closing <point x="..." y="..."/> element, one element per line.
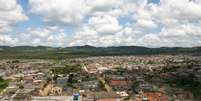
<point x="123" y="93"/>
<point x="102" y="69"/>
<point x="53" y="98"/>
<point x="120" y="83"/>
<point x="101" y="96"/>
<point x="184" y="95"/>
<point x="151" y="96"/>
<point x="28" y="87"/>
<point x="107" y="96"/>
<point x="144" y="87"/>
<point x="28" y="78"/>
<point x="13" y="85"/>
<point x="62" y="81"/>
<point x="140" y="79"/>
<point x="2" y="73"/>
<point x="90" y="85"/>
<point x="155" y="96"/>
<point x="21" y="95"/>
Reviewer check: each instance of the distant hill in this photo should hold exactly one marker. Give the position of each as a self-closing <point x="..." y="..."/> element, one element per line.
<point x="82" y="51"/>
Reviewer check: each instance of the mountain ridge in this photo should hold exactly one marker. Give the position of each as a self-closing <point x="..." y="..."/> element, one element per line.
<point x="87" y="50"/>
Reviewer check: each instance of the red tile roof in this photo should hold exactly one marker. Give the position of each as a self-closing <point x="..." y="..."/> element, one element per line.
<point x="156" y="96"/>
<point x="120" y="82"/>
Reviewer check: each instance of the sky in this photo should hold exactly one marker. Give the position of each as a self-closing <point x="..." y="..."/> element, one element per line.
<point x="62" y="23"/>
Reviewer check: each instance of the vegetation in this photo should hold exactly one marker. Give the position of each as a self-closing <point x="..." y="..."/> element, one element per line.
<point x="188" y="83"/>
<point x="135" y="85"/>
<point x="3" y="84"/>
<point x="22" y="97"/>
<point x="66" y="69"/>
<point x="120" y="71"/>
<point x="71" y="85"/>
<point x="41" y="52"/>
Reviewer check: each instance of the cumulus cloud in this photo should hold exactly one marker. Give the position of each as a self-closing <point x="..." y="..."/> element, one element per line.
<point x="179" y="21"/>
<point x="88" y="36"/>
<point x="47" y="36"/>
<point x="10" y="14"/>
<point x="7" y="40"/>
<point x="103" y="5"/>
<point x="69" y="12"/>
<point x="183" y="35"/>
<point x="73" y="12"/>
<point x="142" y="23"/>
<point x="107" y="22"/>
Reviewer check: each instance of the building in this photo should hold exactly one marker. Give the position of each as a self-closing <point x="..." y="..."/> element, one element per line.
<point x="151" y="96"/>
<point x="102" y="96"/>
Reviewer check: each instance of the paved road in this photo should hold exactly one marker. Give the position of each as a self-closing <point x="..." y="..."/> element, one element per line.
<point x="46" y="90"/>
<point x="107" y="87"/>
<point x="13" y="96"/>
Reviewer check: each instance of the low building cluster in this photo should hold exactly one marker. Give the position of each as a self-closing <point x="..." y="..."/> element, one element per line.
<point x="109" y="78"/>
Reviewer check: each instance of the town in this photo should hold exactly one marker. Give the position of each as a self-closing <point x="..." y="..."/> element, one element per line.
<point x="102" y="78"/>
<point x="100" y="50"/>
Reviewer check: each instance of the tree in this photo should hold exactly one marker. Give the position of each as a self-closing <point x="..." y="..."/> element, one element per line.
<point x="135" y="85"/>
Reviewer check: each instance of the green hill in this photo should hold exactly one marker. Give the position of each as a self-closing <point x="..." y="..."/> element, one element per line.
<point x="43" y="52"/>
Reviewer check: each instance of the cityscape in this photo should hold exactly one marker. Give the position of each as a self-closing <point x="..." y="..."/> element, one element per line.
<point x="102" y="78"/>
<point x="100" y="50"/>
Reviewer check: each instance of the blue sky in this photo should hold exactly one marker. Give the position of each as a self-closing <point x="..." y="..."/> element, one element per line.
<point x="151" y="23"/>
<point x="36" y="21"/>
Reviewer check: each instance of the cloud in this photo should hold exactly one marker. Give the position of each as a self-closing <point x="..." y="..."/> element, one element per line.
<point x="105" y="24"/>
<point x="179" y="21"/>
<point x="7" y="40"/>
<point x="11" y="13"/>
<point x="69" y="12"/>
<point x="181" y="9"/>
<point x="88" y="36"/>
<point x="73" y="12"/>
<point x="142" y="23"/>
<point x="103" y="5"/>
<point x="183" y="35"/>
<point x="47" y="36"/>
